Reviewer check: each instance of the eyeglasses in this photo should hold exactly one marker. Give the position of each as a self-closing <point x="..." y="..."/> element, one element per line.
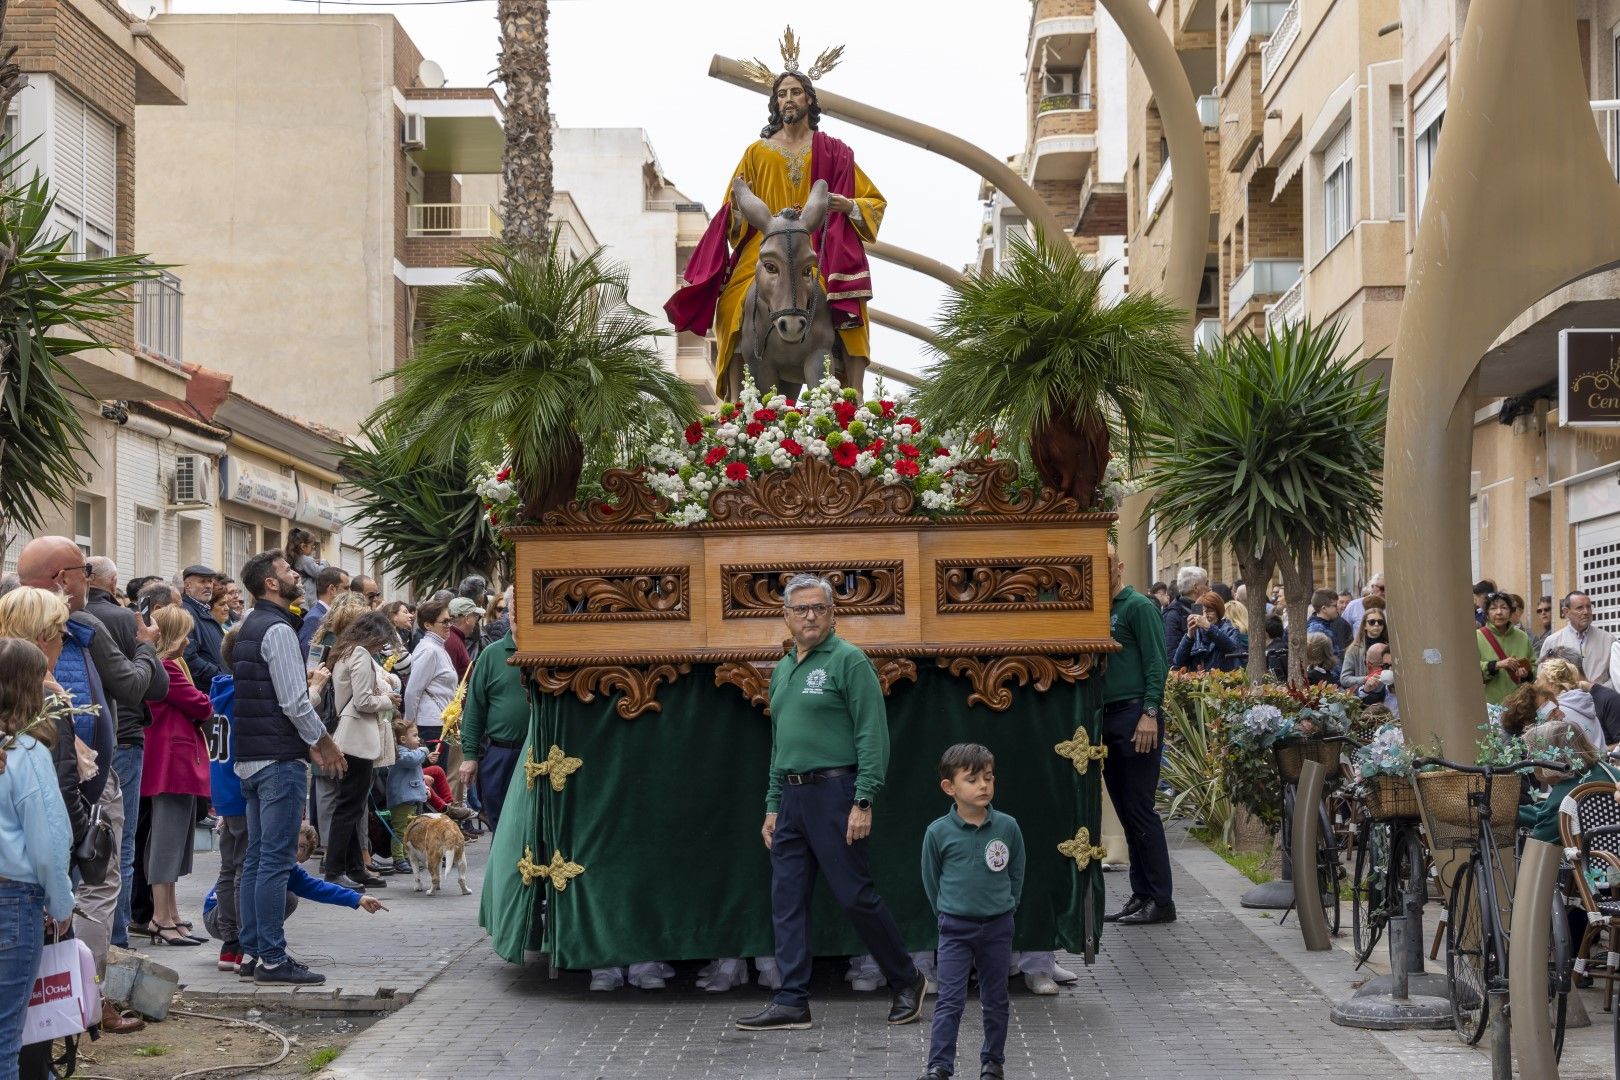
<point x="1543" y="611"/>
<point x="801" y="610"/>
<point x="373" y="596"/>
<point x="83" y="568"/>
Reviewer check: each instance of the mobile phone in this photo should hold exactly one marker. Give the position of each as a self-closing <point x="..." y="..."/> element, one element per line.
<point x="144" y="606"/>
<point x="321" y="652"/>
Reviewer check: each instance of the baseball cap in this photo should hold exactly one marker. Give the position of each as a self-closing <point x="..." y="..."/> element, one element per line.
<point x="198" y="570"/>
<point x="461" y="606"/>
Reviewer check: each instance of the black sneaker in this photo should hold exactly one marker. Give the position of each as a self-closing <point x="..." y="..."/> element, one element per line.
<point x="289" y="971"/>
<point x="246" y="968"/>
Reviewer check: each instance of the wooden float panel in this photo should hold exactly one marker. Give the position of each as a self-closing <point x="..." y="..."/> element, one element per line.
<point x="636" y="632"/>
<point x="1067" y="552"/>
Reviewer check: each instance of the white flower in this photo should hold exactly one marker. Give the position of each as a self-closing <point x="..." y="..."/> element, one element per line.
<point x="818" y="447"/>
<point x="865" y="463"/>
<point x="726" y="433"/>
<point x="890" y="476"/>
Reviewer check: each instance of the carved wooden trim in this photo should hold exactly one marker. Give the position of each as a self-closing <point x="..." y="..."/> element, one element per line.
<point x="752" y="681"/>
<point x="639" y="684"/>
<point x="989" y="676"/>
<point x="812" y="489"/>
<point x="754" y="590"/>
<point x="891" y="671"/>
<point x="612" y="594"/>
<point x="1012" y="584"/>
<point x="985" y="486"/>
<point x="1076" y="647"/>
<point x="634" y="503"/>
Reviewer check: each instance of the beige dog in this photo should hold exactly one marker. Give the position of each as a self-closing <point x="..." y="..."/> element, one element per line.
<point x="435" y="843"/>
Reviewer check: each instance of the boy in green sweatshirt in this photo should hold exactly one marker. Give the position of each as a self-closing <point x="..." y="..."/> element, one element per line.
<point x="973" y="873"/>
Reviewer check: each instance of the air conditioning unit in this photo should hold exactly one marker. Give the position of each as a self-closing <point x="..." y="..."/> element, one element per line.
<point x="415" y="136"/>
<point x="1209" y="111"/>
<point x="192" y="484"/>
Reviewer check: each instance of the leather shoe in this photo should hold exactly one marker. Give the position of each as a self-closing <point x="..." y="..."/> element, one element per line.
<point x="774" y="1017"/>
<point x="345" y="881"/>
<point x="936" y="1074"/>
<point x="1132" y="906"/>
<point x="115" y="1023"/>
<point x="1150" y="913"/>
<point x="991" y="1070"/>
<point x="907" y="1005"/>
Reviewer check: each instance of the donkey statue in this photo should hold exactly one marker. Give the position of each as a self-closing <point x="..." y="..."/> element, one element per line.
<point x="787" y="335"/>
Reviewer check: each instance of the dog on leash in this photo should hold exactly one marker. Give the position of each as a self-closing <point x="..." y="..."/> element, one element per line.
<point x="435" y="844"/>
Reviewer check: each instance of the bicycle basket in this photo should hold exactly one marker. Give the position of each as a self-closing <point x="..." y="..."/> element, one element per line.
<point x="1449" y="820"/>
<point x="1391" y="798"/>
<point x="1292" y="755"/>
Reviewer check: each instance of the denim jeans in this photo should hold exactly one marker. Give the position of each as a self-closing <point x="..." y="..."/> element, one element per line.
<point x="275" y="809"/>
<point x="127" y="764"/>
<point x="22" y="937"/>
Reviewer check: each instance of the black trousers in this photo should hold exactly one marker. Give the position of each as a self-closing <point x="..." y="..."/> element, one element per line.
<point x="809" y="835"/>
<point x="1133" y="784"/>
<point x="343" y="854"/>
<point x="494" y="776"/>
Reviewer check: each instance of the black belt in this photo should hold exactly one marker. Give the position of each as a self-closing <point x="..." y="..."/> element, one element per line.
<point x="506" y="744"/>
<point x="816" y="776"/>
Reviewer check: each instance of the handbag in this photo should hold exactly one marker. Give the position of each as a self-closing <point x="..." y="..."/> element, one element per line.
<point x="1501" y="654"/>
<point x="92" y="856"/>
<point x="63" y="1002"/>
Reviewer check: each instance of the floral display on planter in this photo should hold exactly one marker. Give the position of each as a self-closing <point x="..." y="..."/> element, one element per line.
<point x="1385" y="755"/>
<point x="756" y="435"/>
<point x="499" y="492"/>
<point x="1278" y="714"/>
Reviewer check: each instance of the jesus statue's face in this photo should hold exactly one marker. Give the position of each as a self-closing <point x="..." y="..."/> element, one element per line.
<point x="791" y="100"/>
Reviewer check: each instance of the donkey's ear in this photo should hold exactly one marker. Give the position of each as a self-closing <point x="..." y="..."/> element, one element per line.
<point x="815" y="207"/>
<point x="752" y="206"/>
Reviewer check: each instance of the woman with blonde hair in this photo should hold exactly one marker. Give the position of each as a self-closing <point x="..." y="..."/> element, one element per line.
<point x="174" y="775"/>
<point x="345" y="609"/>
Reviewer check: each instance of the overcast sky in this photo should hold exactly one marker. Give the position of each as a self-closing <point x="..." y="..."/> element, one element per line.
<point x="644" y="63"/>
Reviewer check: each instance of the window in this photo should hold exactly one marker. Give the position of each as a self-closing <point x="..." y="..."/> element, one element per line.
<point x="84" y="175"/>
<point x="238" y="546"/>
<point x="1397" y="179"/>
<point x="1338" y="183"/>
<point x="1428" y="114"/>
<point x="190" y="542"/>
<point x="148" y="553"/>
<point x="84" y="517"/>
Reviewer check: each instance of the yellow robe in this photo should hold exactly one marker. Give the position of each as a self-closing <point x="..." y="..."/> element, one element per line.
<point x="781" y="179"/>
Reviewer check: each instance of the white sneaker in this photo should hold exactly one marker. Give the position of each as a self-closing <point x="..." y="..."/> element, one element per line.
<point x="1040" y="983"/>
<point x="770" y="974"/>
<point x="866" y="983"/>
<point x="604" y="980"/>
<point x="1063" y="975"/>
<point x="648" y="982"/>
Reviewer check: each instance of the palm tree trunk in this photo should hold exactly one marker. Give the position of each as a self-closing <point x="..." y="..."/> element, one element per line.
<point x="1070" y="453"/>
<point x="1299" y="582"/>
<point x="1256" y="572"/>
<point x="525" y="70"/>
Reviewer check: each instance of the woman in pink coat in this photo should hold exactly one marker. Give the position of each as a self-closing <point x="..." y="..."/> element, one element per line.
<point x="174" y="776"/>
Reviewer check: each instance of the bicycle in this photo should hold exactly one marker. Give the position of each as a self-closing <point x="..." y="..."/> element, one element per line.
<point x="1328" y="867"/>
<point x="1390" y="856"/>
<point x="1477" y="938"/>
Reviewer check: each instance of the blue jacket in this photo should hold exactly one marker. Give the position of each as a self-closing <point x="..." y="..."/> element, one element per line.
<point x="1319" y="625"/>
<point x="78" y="676"/>
<point x="202" y="647"/>
<point x="306" y="887"/>
<point x="1220" y="648"/>
<point x="224" y="787"/>
<point x="405" y="783"/>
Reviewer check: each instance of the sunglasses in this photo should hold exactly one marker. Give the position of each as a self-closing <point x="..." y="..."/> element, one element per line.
<point x="83" y="568"/>
<point x="1543" y="611"/>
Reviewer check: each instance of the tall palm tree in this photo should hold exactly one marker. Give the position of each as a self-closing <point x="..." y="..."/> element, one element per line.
<point x="1036" y="353"/>
<point x="536" y="360"/>
<point x="524" y="67"/>
<point x="1280" y="460"/>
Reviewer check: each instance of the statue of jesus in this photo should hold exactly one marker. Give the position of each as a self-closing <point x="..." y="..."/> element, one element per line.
<point x="790" y="156"/>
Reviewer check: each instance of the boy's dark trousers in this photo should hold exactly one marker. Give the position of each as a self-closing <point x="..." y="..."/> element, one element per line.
<point x="965" y="944"/>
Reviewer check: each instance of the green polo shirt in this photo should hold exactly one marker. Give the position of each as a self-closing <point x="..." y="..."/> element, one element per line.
<point x="497" y="705"/>
<point x="1138" y="670"/>
<point x="975" y="871"/>
<point x="827" y="710"/>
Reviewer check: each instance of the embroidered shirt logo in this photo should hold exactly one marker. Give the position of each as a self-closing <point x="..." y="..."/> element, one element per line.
<point x="996" y="855"/>
<point x="815" y="681"/>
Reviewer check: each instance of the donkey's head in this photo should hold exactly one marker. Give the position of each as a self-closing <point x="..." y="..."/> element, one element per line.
<point x="785" y="282"/>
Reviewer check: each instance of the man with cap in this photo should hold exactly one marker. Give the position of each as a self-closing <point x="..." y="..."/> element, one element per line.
<point x="202" y="649"/>
<point x="464" y="616"/>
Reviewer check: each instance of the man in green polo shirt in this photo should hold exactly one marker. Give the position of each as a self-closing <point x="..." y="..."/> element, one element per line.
<point x="829" y="755"/>
<point x="494" y="722"/>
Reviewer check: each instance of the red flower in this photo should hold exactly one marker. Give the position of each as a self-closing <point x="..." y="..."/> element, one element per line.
<point x="609" y="509"/>
<point x="694" y="433"/>
<point x="887" y="407"/>
<point x="845" y="411"/>
<point x="504" y="475"/>
<point x="793" y="448"/>
<point x="494" y="518"/>
<point x="737" y="470"/>
<point x="755" y="429"/>
<point x="765" y="415"/>
<point x="916" y="424"/>
<point x="716" y="455"/>
<point x="909" y="450"/>
<point x="877" y="447"/>
<point x="940" y="451"/>
<point x="906" y="467"/>
<point x="845" y="454"/>
<point x="789" y="405"/>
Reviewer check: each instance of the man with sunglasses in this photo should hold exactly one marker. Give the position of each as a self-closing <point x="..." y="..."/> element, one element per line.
<point x="829" y="757"/>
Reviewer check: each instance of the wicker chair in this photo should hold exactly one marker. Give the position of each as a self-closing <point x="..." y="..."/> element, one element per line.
<point x="1587" y="808"/>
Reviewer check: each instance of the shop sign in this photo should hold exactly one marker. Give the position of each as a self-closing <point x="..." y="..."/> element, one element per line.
<point x="318" y="508"/>
<point x="1589" y="378"/>
<point x="258" y="487"/>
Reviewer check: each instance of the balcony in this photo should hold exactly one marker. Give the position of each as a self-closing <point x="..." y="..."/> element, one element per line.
<point x="442" y="239"/>
<point x="1065" y="114"/>
<point x="1261" y="278"/>
<point x="1289" y="308"/>
<point x="1103" y="209"/>
<point x="1158" y="192"/>
<point x="1276" y="47"/>
<point x="1207" y="335"/>
<point x="1242" y="114"/>
<point x="464" y="129"/>
<point x="1060" y="33"/>
<point x="1607" y="115"/>
<point x="159" y="305"/>
<point x="452" y="219"/>
<point x="1259" y="20"/>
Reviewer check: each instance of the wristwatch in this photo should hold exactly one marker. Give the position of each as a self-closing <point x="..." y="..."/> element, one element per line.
<point x="863" y="804"/>
<point x="1151" y="710"/>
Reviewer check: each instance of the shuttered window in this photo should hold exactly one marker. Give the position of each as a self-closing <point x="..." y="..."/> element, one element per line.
<point x="1428" y="117"/>
<point x="1337" y="188"/>
<point x="84" y="173"/>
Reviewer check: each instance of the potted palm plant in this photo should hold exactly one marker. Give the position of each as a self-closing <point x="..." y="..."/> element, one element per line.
<point x="1036" y="354"/>
<point x="536" y="360"/>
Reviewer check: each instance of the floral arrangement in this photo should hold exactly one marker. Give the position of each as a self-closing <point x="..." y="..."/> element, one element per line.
<point x="1498" y="747"/>
<point x="758" y="434"/>
<point x="499" y="492"/>
<point x="1385" y="755"/>
<point x="1278" y="714"/>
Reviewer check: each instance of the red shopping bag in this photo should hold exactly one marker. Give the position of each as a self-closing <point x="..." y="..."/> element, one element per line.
<point x="60" y="1003"/>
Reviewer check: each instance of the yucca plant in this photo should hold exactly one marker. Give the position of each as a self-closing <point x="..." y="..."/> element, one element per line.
<point x="536" y="360"/>
<point x="1035" y="353"/>
<point x="52" y="305"/>
<point x="425" y="521"/>
<point x="1280" y="460"/>
<point x="1193" y="776"/>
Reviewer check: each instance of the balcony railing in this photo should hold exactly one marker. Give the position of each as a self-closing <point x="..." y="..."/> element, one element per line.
<point x="1158" y="191"/>
<point x="1207" y="335"/>
<point x="1260" y="19"/>
<point x="1262" y="277"/>
<point x="159" y="315"/>
<point x="1276" y="47"/>
<point x="1053" y="102"/>
<point x="452" y="219"/>
<point x="1289" y="308"/>
<point x="1607" y="114"/>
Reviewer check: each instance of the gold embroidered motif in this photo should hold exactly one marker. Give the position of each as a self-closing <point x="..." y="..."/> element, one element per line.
<point x="558" y="873"/>
<point x="795" y="161"/>
<point x="558" y="766"/>
<point x="846" y="277"/>
<point x="1081" y="850"/>
<point x="861" y="294"/>
<point x="1080" y="751"/>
